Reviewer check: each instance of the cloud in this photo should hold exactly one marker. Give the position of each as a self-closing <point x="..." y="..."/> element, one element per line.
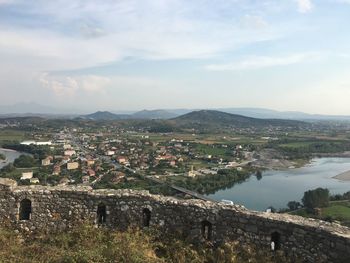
<point x="253" y="22"/>
<point x="343" y="1"/>
<point x="304" y="6"/>
<point x="88" y="33"/>
<point x="258" y="62"/>
<point x="72" y="86"/>
<point x="6" y="2"/>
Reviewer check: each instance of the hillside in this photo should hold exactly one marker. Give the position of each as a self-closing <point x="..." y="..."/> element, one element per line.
<point x="153" y="114"/>
<point x="140" y="115"/>
<point x="224" y="119"/>
<point x="102" y="115"/>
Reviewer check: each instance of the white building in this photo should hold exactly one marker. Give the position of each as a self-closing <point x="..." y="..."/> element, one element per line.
<point x="31" y="142"/>
<point x="26" y="175"/>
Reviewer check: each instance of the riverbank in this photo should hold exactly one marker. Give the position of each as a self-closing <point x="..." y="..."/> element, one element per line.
<point x="343" y="176"/>
<point x="7" y="150"/>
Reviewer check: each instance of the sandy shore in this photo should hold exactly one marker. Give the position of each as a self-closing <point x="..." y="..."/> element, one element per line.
<point x="343" y="176"/>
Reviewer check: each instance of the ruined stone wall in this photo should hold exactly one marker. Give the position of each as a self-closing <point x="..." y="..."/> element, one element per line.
<point x="58" y="208"/>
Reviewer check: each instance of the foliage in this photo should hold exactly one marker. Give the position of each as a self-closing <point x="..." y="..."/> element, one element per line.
<point x="293" y="205"/>
<point x="8" y="168"/>
<point x="300" y="148"/>
<point x="2" y="156"/>
<point x="337" y="197"/>
<point x="38" y="151"/>
<point x="225" y="178"/>
<point x="315" y="198"/>
<point x="25" y="161"/>
<point x="87" y="243"/>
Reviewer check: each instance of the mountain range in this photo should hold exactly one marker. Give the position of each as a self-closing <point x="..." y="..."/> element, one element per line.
<point x="35" y="109"/>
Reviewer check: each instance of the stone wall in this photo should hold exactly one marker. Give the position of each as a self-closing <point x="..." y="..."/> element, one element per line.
<point x="56" y="208"/>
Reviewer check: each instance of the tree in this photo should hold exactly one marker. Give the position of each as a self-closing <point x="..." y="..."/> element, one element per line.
<point x="258" y="175"/>
<point x="2" y="156"/>
<point x="24" y="161"/>
<point x="293" y="205"/>
<point x="316" y="198"/>
<point x="8" y="168"/>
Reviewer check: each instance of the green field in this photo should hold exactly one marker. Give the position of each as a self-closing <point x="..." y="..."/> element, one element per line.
<point x="340" y="211"/>
<point x="12" y="135"/>
<point x="337" y="210"/>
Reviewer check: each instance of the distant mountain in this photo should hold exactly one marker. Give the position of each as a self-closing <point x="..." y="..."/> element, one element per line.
<point x="219" y="118"/>
<point x="153" y="114"/>
<point x="274" y="114"/>
<point x="140" y="115"/>
<point x="102" y="115"/>
<point x="34" y="109"/>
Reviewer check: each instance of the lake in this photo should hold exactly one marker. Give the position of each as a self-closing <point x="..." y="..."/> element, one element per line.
<point x="277" y="188"/>
<point x="11" y="155"/>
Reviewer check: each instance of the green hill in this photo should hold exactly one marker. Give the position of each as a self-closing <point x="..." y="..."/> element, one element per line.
<point x="224" y="119"/>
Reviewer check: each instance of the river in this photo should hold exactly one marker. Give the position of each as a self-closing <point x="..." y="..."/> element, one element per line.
<point x="11" y="155"/>
<point x="277" y="188"/>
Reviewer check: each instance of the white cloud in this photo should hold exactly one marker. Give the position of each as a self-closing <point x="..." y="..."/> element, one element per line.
<point x="304" y="6"/>
<point x="253" y="22"/>
<point x="343" y="1"/>
<point x="5" y="2"/>
<point x="89" y="33"/>
<point x="72" y="85"/>
<point x="257" y="62"/>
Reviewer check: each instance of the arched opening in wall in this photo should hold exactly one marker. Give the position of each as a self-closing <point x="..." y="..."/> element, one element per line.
<point x="101" y="213"/>
<point x="276" y="239"/>
<point x="206" y="230"/>
<point x="146" y="217"/>
<point x="25" y="209"/>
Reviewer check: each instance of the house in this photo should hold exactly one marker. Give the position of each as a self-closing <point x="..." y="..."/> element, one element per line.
<point x="26" y="175"/>
<point x="69" y="152"/>
<point x="121" y="159"/>
<point x="110" y="153"/>
<point x="72" y="166"/>
<point x="91" y="172"/>
<point x="46" y="162"/>
<point x="64" y="181"/>
<point x="56" y="170"/>
<point x="90" y="162"/>
<point x="67" y="147"/>
<point x="85" y="179"/>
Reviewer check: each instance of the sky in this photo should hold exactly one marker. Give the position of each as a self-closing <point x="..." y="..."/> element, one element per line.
<point x="150" y="54"/>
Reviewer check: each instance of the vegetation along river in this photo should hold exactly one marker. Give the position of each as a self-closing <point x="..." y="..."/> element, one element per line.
<point x="277" y="188"/>
<point x="10" y="155"/>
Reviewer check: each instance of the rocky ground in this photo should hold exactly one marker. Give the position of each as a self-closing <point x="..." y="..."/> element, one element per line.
<point x="272" y="159"/>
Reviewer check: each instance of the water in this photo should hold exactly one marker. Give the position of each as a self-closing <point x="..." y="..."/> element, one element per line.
<point x="277" y="188"/>
<point x="10" y="156"/>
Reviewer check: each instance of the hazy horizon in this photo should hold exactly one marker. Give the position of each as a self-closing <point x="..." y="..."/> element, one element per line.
<point x="33" y="108"/>
<point x="131" y="55"/>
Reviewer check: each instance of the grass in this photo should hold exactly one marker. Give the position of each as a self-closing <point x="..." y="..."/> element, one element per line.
<point x="86" y="243"/>
<point x="297" y="144"/>
<point x="336" y="211"/>
<point x="340" y="211"/>
<point x="12" y="135"/>
<point x="214" y="150"/>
